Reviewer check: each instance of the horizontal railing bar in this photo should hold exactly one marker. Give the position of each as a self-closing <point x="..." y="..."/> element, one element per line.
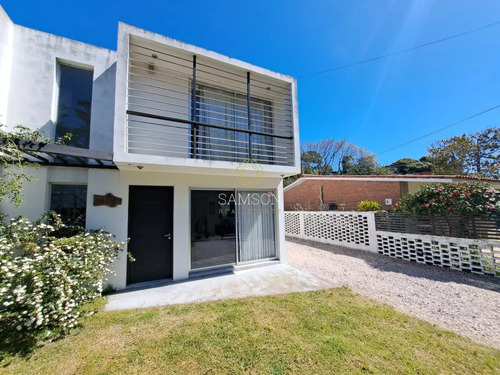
<point x="166" y="118"/>
<point x="198" y="147"/>
<point x="281" y="102"/>
<point x="135" y="59"/>
<point x="207" y="145"/>
<point x="272" y="119"/>
<point x="187" y="146"/>
<point x="161" y="52"/>
<point x="212" y="157"/>
<point x="159" y="144"/>
<point x="272" y="107"/>
<point x="186" y="129"/>
<point x="130" y="104"/>
<point x="246" y="148"/>
<point x="185" y="132"/>
<point x="204" y="134"/>
<point x="243" y="78"/>
<point x="186" y="137"/>
<point x="159" y="151"/>
<point x="199" y="63"/>
<point x="286" y="91"/>
<point x="204" y="110"/>
<point x="253" y="79"/>
<point x="275" y="107"/>
<point x="236" y="87"/>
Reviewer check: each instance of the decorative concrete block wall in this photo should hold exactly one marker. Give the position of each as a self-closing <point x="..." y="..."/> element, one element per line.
<point x="357" y="230"/>
<point x="292" y="223"/>
<point x="349" y="229"/>
<point x="475" y="256"/>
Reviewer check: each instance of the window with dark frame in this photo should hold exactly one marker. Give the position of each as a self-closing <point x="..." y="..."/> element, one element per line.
<point x="70" y="202"/>
<point x="74" y="105"/>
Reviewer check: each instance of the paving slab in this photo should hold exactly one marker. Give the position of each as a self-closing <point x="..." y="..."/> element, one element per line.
<point x="263" y="281"/>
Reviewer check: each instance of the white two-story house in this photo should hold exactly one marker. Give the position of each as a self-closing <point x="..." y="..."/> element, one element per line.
<point x="178" y="149"/>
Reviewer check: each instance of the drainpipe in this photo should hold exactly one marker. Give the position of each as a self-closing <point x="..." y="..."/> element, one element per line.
<point x="321" y="204"/>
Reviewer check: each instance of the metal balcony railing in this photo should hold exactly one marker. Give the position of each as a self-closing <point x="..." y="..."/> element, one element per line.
<point x="188" y="106"/>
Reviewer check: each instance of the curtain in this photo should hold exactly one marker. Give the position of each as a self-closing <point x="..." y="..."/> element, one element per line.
<point x="256" y="226"/>
<point x="226" y="108"/>
<point x="261" y="120"/>
<point x="214" y="108"/>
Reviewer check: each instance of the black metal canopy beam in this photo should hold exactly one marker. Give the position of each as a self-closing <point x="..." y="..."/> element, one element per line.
<point x="65" y="156"/>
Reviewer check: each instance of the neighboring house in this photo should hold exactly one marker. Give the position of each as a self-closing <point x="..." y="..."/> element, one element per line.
<point x="161" y="131"/>
<point x="342" y="192"/>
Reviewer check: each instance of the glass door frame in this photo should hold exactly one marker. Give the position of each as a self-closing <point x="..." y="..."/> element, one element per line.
<point x="237" y="235"/>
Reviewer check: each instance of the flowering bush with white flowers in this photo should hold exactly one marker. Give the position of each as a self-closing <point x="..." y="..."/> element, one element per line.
<point x="45" y="280"/>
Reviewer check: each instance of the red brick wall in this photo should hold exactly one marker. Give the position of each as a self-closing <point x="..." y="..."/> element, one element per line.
<point x="306" y="195"/>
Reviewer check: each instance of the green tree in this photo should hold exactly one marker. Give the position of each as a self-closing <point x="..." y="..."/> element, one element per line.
<point x="13" y="161"/>
<point x="14" y="149"/>
<point x="364" y="165"/>
<point x="473" y="154"/>
<point x="313" y="163"/>
<point x="410" y="166"/>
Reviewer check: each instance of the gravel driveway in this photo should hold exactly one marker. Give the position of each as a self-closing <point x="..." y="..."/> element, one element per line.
<point x="465" y="303"/>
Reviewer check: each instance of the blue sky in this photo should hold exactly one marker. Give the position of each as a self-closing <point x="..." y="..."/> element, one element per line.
<point x="376" y="105"/>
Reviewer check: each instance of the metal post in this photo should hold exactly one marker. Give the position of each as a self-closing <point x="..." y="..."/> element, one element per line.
<point x="194" y="127"/>
<point x="249" y="117"/>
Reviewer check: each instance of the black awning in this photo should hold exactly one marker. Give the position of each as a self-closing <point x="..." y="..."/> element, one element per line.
<point x="50" y="154"/>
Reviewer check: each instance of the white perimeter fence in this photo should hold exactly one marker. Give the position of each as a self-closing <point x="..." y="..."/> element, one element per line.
<point x="357" y="230"/>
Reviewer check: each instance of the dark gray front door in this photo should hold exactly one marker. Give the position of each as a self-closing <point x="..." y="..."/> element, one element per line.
<point x="150" y="224"/>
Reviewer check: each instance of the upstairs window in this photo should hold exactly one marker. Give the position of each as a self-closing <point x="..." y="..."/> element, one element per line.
<point x="74" y="105"/>
<point x="229" y="109"/>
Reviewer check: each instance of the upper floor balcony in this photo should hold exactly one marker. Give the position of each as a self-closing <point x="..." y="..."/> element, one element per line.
<point x="181" y="106"/>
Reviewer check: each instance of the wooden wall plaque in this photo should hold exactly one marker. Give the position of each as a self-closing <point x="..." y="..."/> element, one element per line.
<point x="107" y="200"/>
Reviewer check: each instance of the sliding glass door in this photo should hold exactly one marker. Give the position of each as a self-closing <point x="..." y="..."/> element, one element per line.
<point x="213" y="230"/>
<point x="229" y="227"/>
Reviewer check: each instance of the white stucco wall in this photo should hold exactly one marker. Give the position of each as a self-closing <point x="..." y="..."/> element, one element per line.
<point x="36" y="194"/>
<point x="33" y="90"/>
<point x="6" y="42"/>
<point x="115" y="220"/>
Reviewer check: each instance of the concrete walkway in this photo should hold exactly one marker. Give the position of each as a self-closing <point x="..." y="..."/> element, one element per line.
<point x="263" y="281"/>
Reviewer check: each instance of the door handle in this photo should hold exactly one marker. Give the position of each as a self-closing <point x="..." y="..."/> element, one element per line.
<point x="168" y="236"/>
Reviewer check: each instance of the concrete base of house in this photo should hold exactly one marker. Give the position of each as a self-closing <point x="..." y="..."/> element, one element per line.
<point x="263" y="281"/>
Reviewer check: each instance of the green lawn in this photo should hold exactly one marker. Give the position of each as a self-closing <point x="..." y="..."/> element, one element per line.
<point x="324" y="332"/>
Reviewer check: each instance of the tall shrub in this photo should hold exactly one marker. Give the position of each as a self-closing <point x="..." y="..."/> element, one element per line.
<point x="476" y="198"/>
<point x="45" y="280"/>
